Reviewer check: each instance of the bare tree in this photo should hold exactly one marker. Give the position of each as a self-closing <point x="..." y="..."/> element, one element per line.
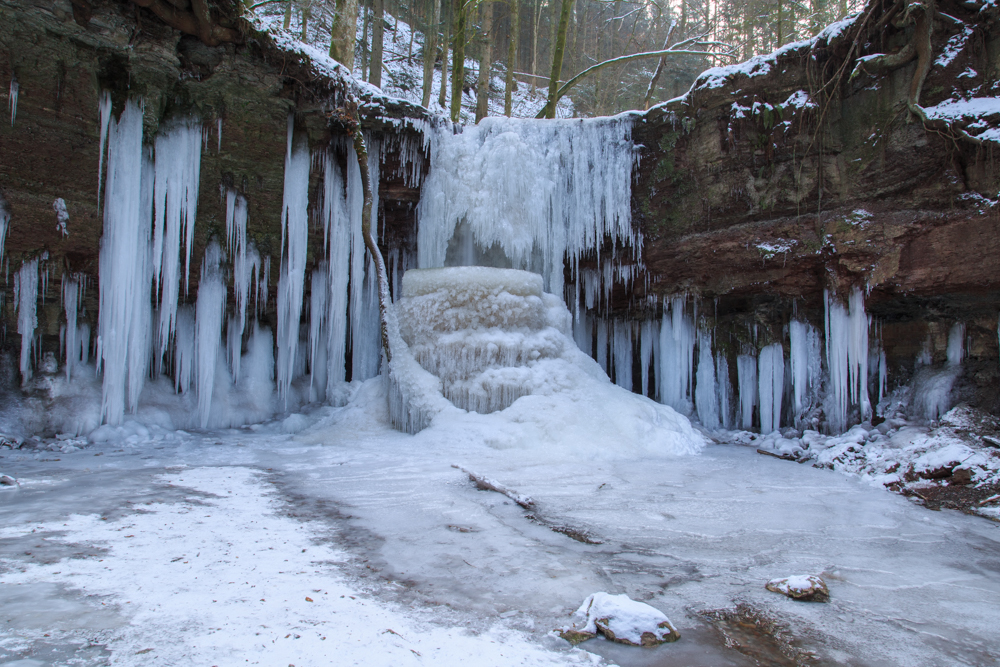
<point x="343" y="32"/>
<point x="430" y="51"/>
<point x="458" y="57"/>
<point x="515" y="33"/>
<point x="485" y="60"/>
<point x="378" y="38"/>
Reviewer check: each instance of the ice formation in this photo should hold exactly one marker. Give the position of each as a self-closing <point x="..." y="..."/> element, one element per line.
<point x="622" y="353"/>
<point x="14" y="87"/>
<point x="178" y="172"/>
<point x="536" y="191"/>
<point x="294" y="236"/>
<point x="706" y="397"/>
<point x="4" y="223"/>
<point x="492" y="340"/>
<point x="62" y="216"/>
<point x="771" y="379"/>
<point x="805" y="356"/>
<point x="677" y="337"/>
<point x="71" y="304"/>
<point x="725" y="390"/>
<point x="746" y="373"/>
<point x="124" y="263"/>
<point x="246" y="265"/>
<point x="26" y="302"/>
<point x="847" y="358"/>
<point x="337" y="236"/>
<point x="210" y="313"/>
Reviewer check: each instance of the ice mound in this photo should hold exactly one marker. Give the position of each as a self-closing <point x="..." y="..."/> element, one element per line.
<point x="499" y="349"/>
<point x="480" y="330"/>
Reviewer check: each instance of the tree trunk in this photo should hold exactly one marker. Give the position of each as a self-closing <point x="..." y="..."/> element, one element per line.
<point x="305" y="20"/>
<point x="515" y="32"/>
<point x="378" y="36"/>
<point x="446" y="25"/>
<point x="534" y="45"/>
<point x="364" y="44"/>
<point x="430" y="51"/>
<point x="343" y="32"/>
<point x="458" y="56"/>
<point x="286" y="24"/>
<point x="485" y="61"/>
<point x="557" y="58"/>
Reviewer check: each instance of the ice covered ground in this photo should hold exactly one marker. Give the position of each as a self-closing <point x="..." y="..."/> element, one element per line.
<point x="204" y="548"/>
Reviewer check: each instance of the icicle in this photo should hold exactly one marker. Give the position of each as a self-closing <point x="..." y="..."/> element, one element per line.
<point x="956" y="344"/>
<point x="26" y="303"/>
<point x="771" y="379"/>
<point x="677" y="337"/>
<point x="209" y="317"/>
<point x="218" y="130"/>
<point x="337" y="236"/>
<point x="746" y="376"/>
<point x="184" y="353"/>
<point x="178" y="172"/>
<point x="124" y="260"/>
<point x="706" y="397"/>
<point x="847" y="359"/>
<point x="318" y="337"/>
<point x="4" y="223"/>
<point x="622" y="353"/>
<point x="71" y="303"/>
<point x="294" y="236"/>
<point x="806" y="365"/>
<point x="647" y="335"/>
<point x="602" y="345"/>
<point x="14" y="87"/>
<point x="104" y="106"/>
<point x="725" y="390"/>
<point x="246" y="266"/>
<point x="365" y="356"/>
<point x="883" y="374"/>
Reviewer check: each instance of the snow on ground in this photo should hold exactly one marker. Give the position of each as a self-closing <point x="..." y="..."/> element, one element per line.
<point x="384" y="516"/>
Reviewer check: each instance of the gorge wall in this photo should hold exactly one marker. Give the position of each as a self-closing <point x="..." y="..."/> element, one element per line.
<point x="768" y="186"/>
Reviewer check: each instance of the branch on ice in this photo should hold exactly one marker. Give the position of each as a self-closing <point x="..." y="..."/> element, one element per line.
<point x="486" y="484"/>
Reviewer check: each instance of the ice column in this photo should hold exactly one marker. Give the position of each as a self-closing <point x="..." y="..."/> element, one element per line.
<point x="4" y="223"/>
<point x="294" y="236"/>
<point x="956" y="344"/>
<point x="677" y="336"/>
<point x="365" y="337"/>
<point x="806" y="364"/>
<point x="184" y="354"/>
<point x="706" y="398"/>
<point x="209" y="316"/>
<point x="337" y="232"/>
<point x="178" y="171"/>
<point x="124" y="262"/>
<point x="648" y="337"/>
<point x="622" y="353"/>
<point x="14" y="87"/>
<point x="71" y="304"/>
<point x="246" y="269"/>
<point x="725" y="390"/>
<point x="319" y="296"/>
<point x="771" y="378"/>
<point x="26" y="302"/>
<point x="847" y="358"/>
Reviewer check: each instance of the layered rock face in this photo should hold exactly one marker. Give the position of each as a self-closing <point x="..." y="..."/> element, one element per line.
<point x="804" y="171"/>
<point x="244" y="96"/>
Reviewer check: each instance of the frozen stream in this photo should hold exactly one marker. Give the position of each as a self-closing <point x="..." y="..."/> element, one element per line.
<point x="102" y="550"/>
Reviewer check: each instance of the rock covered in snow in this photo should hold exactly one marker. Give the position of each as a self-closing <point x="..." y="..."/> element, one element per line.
<point x="620" y="619"/>
<point x="802" y="587"/>
<point x="7" y="480"/>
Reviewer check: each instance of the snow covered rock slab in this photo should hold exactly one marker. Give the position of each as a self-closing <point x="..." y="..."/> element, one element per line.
<point x="7" y="480"/>
<point x="418" y="282"/>
<point x="803" y="587"/>
<point x="620" y="619"/>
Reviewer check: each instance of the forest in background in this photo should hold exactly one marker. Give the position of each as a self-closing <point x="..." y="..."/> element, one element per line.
<point x="554" y="39"/>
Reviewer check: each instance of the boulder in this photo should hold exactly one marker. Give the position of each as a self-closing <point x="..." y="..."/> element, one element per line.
<point x="802" y="587"/>
<point x="620" y="619"/>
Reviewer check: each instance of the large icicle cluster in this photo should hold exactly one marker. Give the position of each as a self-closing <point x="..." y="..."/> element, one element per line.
<point x="527" y="193"/>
